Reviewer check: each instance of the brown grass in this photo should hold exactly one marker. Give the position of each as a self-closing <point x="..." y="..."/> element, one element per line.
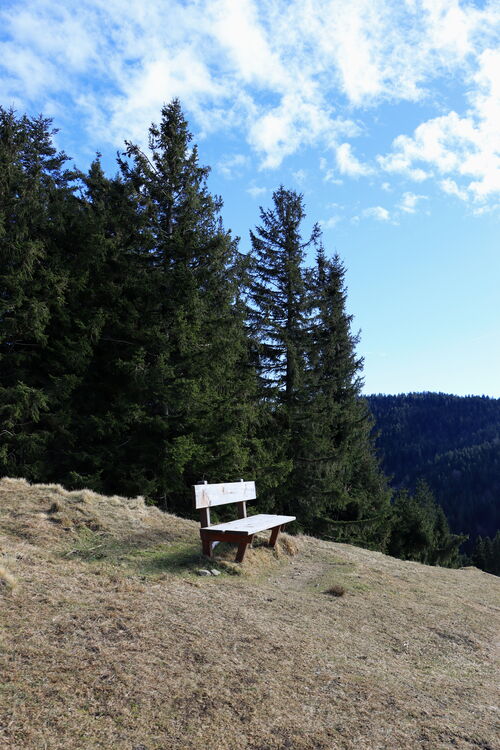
<point x="112" y="641"/>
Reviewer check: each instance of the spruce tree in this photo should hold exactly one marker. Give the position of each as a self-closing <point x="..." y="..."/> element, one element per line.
<point x="108" y="309"/>
<point x="198" y="385"/>
<point x="278" y="311"/>
<point x="486" y="554"/>
<point x="343" y="494"/>
<point x="278" y="317"/>
<point x="420" y="530"/>
<point x="36" y="203"/>
<point x="310" y="382"/>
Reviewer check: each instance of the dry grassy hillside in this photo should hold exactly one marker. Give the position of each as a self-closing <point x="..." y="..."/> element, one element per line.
<point x="109" y="639"/>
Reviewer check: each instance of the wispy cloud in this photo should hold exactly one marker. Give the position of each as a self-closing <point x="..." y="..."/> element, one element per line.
<point x="231" y="166"/>
<point x="450" y="186"/>
<point x="409" y="201"/>
<point x="300" y="176"/>
<point x="376" y="212"/>
<point x="329" y="174"/>
<point x="256" y="191"/>
<point x="286" y="74"/>
<point x="464" y="149"/>
<point x="349" y="165"/>
<point x="331" y="222"/>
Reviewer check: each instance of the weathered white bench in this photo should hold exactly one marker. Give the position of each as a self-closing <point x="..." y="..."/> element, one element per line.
<point x="241" y="531"/>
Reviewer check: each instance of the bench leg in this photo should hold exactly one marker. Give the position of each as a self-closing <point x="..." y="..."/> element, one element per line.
<point x="207" y="547"/>
<point x="242" y="548"/>
<point x="274" y="536"/>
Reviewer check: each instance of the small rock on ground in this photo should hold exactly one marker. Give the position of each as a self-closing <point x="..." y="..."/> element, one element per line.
<point x="203" y="572"/>
<point x="215" y="572"/>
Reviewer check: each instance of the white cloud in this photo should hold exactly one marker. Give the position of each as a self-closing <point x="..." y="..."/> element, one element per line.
<point x="408" y="203"/>
<point x="331" y="222"/>
<point x="400" y="162"/>
<point x="450" y="186"/>
<point x="244" y="41"/>
<point x="349" y="165"/>
<point x="329" y="174"/>
<point x="286" y="74"/>
<point x="464" y="148"/>
<point x="376" y="212"/>
<point x="231" y="166"/>
<point x="295" y="122"/>
<point x="300" y="176"/>
<point x="255" y="191"/>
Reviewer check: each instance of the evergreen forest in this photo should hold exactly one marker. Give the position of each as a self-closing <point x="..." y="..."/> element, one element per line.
<point x="453" y="444"/>
<point x="143" y="351"/>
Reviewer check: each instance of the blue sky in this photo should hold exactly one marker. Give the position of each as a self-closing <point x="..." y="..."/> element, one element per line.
<point x="385" y="114"/>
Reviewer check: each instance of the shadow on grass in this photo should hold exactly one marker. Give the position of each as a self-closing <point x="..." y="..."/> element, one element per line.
<point x="182" y="558"/>
<point x="143" y="558"/>
<point x="175" y="558"/>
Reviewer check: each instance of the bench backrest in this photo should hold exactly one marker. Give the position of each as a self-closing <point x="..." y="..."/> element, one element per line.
<point x="207" y="496"/>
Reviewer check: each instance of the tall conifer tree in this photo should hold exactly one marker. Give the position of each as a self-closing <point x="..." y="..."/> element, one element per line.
<point x="197" y="349"/>
<point x="344" y="493"/>
<point x="36" y="208"/>
<point x="420" y="530"/>
<point x="278" y="312"/>
<point x="278" y="315"/>
<point x="106" y="446"/>
<point x="310" y="379"/>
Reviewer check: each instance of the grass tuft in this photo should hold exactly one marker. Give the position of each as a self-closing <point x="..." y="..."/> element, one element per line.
<point x="56" y="507"/>
<point x="7" y="581"/>
<point x="289" y="545"/>
<point x="336" y="590"/>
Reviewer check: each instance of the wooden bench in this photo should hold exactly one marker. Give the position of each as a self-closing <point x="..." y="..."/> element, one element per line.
<point x="241" y="531"/>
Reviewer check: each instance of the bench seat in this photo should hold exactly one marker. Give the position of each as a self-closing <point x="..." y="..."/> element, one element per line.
<point x="252" y="524"/>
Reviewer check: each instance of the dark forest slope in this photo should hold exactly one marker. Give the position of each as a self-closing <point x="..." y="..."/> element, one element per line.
<point x="453" y="443"/>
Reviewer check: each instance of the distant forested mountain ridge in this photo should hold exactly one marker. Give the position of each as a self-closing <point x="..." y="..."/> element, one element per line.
<point x="453" y="443"/>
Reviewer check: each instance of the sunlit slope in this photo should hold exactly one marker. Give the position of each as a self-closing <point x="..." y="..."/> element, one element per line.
<point x="111" y="640"/>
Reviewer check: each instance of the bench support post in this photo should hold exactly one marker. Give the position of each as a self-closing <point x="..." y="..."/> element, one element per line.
<point x="274" y="536"/>
<point x="207" y="547"/>
<point x="242" y="548"/>
<point x="204" y="517"/>
<point x="205" y="521"/>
